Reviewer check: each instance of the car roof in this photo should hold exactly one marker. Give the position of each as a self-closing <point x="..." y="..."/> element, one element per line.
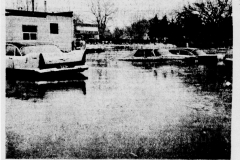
<point x="182" y="48"/>
<point x="27" y="43"/>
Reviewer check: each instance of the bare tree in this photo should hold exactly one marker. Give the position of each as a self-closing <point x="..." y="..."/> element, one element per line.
<point x="25" y="5"/>
<point x="103" y="10"/>
<point x="136" y="17"/>
<point x="36" y="6"/>
<point x="28" y="4"/>
<point x="19" y="5"/>
<point x="76" y="18"/>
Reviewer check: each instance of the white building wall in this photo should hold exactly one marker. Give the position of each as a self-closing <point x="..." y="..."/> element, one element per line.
<point x="63" y="39"/>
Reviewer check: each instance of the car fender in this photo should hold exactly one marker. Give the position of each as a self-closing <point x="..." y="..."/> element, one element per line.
<point x="19" y="62"/>
<point x="31" y="60"/>
<point x="9" y="62"/>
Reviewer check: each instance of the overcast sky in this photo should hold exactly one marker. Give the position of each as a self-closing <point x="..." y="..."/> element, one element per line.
<point x="127" y="9"/>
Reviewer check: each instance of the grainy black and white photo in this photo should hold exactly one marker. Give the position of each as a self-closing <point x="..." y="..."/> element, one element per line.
<point x="118" y="79"/>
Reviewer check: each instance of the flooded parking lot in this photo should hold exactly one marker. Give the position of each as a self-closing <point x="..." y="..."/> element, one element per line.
<point x="122" y="110"/>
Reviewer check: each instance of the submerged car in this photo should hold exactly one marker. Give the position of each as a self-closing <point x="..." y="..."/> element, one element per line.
<point x="200" y="55"/>
<point x="188" y="52"/>
<point x="228" y="58"/>
<point x="155" y="55"/>
<point x="42" y="58"/>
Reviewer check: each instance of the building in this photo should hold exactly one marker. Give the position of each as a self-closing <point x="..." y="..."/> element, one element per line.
<point x="56" y="28"/>
<point x="87" y="32"/>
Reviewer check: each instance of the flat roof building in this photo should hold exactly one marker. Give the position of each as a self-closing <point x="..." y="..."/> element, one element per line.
<point x="56" y="28"/>
<point x="86" y="31"/>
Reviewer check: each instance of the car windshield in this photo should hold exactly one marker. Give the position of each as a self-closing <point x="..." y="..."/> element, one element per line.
<point x="164" y="52"/>
<point x="40" y="49"/>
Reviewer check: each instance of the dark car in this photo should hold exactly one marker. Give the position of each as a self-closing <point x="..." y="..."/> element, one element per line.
<point x="200" y="55"/>
<point x="188" y="51"/>
<point x="228" y="58"/>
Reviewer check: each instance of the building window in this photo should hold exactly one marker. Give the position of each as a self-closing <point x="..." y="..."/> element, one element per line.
<point x="29" y="32"/>
<point x="53" y="28"/>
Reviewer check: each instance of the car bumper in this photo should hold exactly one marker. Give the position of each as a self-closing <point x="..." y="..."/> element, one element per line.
<point x="76" y="68"/>
<point x="47" y="74"/>
<point x="48" y="70"/>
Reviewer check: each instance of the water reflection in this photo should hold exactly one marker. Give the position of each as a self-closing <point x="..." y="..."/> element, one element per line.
<point x="37" y="89"/>
<point x="208" y="78"/>
<point x="102" y="60"/>
<point x="155" y="73"/>
<point x="148" y="110"/>
<point x="147" y="65"/>
<point x="50" y="76"/>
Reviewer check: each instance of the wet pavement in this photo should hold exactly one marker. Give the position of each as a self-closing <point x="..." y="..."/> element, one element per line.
<point x="121" y="109"/>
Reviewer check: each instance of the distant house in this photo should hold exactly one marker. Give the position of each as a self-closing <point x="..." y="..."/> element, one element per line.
<point x="56" y="28"/>
<point x="86" y="31"/>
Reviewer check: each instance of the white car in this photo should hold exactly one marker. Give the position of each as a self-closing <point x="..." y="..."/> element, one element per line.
<point x="42" y="58"/>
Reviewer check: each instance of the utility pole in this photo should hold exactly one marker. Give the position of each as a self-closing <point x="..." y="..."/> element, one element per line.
<point x="45" y="6"/>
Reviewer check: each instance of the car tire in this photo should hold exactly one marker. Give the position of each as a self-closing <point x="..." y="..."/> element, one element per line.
<point x="41" y="62"/>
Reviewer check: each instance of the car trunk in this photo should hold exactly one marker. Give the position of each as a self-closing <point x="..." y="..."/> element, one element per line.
<point x="64" y="60"/>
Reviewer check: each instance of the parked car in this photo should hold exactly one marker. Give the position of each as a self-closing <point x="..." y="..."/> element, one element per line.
<point x="228" y="58"/>
<point x="42" y="57"/>
<point x="188" y="51"/>
<point x="79" y="44"/>
<point x="200" y="55"/>
<point x="155" y="55"/>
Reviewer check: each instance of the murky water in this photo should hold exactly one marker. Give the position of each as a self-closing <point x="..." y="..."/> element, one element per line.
<point x="122" y="110"/>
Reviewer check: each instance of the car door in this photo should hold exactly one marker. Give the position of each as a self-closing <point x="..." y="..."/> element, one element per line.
<point x="14" y="59"/>
<point x="9" y="56"/>
<point x="20" y="61"/>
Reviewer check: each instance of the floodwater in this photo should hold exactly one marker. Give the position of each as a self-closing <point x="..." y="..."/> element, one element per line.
<point x="122" y="110"/>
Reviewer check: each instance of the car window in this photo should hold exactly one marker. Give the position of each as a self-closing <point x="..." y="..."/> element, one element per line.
<point x="164" y="52"/>
<point x="156" y="53"/>
<point x="144" y="53"/>
<point x="10" y="50"/>
<point x="40" y="49"/>
<point x="185" y="53"/>
<point x="17" y="52"/>
<point x="174" y="52"/>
